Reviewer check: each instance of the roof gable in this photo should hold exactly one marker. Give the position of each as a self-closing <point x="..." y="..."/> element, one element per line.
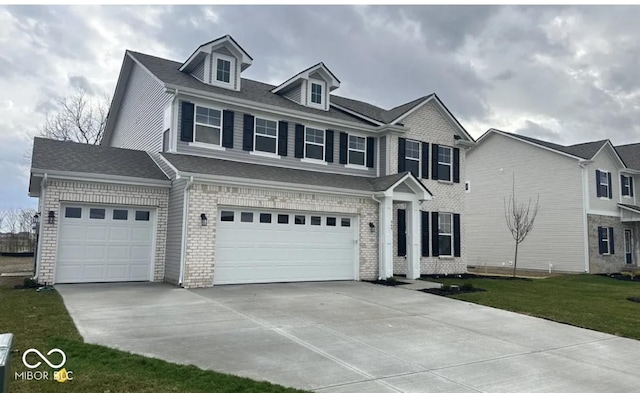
<point x="315" y="71"/>
<point x="228" y="43"/>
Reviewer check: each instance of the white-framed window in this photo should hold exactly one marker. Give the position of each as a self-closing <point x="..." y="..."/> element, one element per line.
<point x="603" y="184"/>
<point x="266" y="136"/>
<point x="357" y="150"/>
<point x="223" y="70"/>
<point x="626" y="183"/>
<point x="315" y="95"/>
<point x="605" y="240"/>
<point x="445" y="163"/>
<point x="412" y="157"/>
<point x="207" y="127"/>
<point x="314" y="143"/>
<point x="445" y="234"/>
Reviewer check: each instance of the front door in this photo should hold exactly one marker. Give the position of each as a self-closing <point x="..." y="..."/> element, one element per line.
<point x="628" y="250"/>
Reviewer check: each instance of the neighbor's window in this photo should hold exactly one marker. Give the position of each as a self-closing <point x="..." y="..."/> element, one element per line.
<point x="266" y="135"/>
<point x="357" y="150"/>
<point x="445" y="163"/>
<point x="314" y="143"/>
<point x="316" y="93"/>
<point x="412" y="157"/>
<point x="603" y="184"/>
<point x="223" y="70"/>
<point x="207" y="125"/>
<point x="445" y="234"/>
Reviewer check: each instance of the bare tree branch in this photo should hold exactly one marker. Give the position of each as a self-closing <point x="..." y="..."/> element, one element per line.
<point x="520" y="218"/>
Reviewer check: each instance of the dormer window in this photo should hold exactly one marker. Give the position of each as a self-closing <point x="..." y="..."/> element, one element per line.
<point x="316" y="93"/>
<point x="223" y="70"/>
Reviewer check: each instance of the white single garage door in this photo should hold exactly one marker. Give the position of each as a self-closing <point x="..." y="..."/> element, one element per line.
<point x="257" y="246"/>
<point x="104" y="244"/>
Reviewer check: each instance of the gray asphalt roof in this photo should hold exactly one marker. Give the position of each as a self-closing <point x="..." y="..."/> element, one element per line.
<point x="630" y="154"/>
<point x="168" y="72"/>
<point x="54" y="155"/>
<point x="583" y="150"/>
<point x="219" y="167"/>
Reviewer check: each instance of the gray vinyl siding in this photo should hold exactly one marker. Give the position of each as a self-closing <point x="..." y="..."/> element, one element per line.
<point x="295" y="94"/>
<point x="558" y="233"/>
<point x="139" y="122"/>
<point x="382" y="162"/>
<point x="237" y="153"/>
<point x="224" y="51"/>
<point x="604" y="206"/>
<point x="174" y="231"/>
<point x="198" y="71"/>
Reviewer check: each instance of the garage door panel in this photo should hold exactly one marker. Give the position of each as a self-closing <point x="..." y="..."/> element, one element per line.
<point x="103" y="250"/>
<point x="274" y="252"/>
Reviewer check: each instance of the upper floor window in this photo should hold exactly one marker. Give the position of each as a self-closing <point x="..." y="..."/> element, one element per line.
<point x="603" y="184"/>
<point x="316" y="93"/>
<point x="412" y="157"/>
<point x="266" y="136"/>
<point x="626" y="182"/>
<point x="357" y="150"/>
<point x="207" y="125"/>
<point x="223" y="70"/>
<point x="445" y="163"/>
<point x="445" y="234"/>
<point x="314" y="143"/>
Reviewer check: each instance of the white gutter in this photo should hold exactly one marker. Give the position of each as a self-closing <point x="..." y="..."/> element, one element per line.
<point x="102" y="178"/>
<point x="183" y="246"/>
<point x="43" y="194"/>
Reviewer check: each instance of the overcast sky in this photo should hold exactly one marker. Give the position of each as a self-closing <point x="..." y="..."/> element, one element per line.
<point x="564" y="74"/>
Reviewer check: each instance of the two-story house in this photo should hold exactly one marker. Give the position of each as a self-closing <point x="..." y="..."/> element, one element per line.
<point x="588" y="218"/>
<point x="205" y="177"/>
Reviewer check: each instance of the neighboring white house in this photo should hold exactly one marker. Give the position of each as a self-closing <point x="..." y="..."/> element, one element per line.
<point x="588" y="219"/>
<point x="240" y="181"/>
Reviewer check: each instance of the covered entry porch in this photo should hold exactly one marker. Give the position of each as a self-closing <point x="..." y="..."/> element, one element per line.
<point x="630" y="217"/>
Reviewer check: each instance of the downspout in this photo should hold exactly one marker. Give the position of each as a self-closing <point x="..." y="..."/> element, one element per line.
<point x="183" y="246"/>
<point x="380" y="237"/>
<point x="43" y="194"/>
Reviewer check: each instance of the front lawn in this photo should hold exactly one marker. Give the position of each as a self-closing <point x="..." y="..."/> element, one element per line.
<point x="593" y="302"/>
<point x="39" y="320"/>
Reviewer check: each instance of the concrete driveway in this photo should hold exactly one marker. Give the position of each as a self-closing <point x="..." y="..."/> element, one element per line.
<point x="352" y="337"/>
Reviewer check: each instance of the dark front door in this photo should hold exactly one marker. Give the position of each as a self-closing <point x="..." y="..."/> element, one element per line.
<point x="628" y="249"/>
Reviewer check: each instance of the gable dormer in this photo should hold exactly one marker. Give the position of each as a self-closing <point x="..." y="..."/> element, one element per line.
<point x="311" y="87"/>
<point x="219" y="63"/>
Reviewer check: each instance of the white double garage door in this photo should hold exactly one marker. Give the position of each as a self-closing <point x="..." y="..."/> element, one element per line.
<point x="105" y="243"/>
<point x="259" y="246"/>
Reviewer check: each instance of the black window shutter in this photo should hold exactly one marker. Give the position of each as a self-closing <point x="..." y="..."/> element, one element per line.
<point x="328" y="146"/>
<point x="401" y="154"/>
<point x="402" y="233"/>
<point x="456" y="235"/>
<point x="598" y="193"/>
<point x="247" y="137"/>
<point x="283" y="137"/>
<point x="425" y="160"/>
<point x="622" y="190"/>
<point x="610" y="184"/>
<point x="611" y="244"/>
<point x="227" y="128"/>
<point x="630" y="186"/>
<point x="371" y="151"/>
<point x="344" y="140"/>
<point x="435" y="246"/>
<point x="434" y="161"/>
<point x="602" y="248"/>
<point x="456" y="165"/>
<point x="186" y="126"/>
<point x="424" y="233"/>
<point x="299" y="148"/>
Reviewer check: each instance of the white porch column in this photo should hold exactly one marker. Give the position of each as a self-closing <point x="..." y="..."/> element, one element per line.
<point x="413" y="240"/>
<point x="386" y="237"/>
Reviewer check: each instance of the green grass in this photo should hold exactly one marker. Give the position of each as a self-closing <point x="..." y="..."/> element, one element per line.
<point x="40" y="320"/>
<point x="593" y="302"/>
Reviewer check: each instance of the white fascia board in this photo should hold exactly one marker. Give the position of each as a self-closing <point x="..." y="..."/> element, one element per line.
<point x="255" y="183"/>
<point x="532" y="144"/>
<point x="155" y="160"/>
<point x="170" y="165"/>
<point x="100" y="178"/>
<point x="224" y="40"/>
<point x="421" y="191"/>
<point x="333" y="82"/>
<point x="171" y="88"/>
<point x="463" y="143"/>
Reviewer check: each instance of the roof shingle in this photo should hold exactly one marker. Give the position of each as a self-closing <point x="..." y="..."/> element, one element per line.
<point x="630" y="154"/>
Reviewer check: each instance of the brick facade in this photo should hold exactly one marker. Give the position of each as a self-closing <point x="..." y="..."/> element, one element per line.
<point x="62" y="191"/>
<point x="205" y="198"/>
<point x="605" y="264"/>
<point x="429" y="124"/>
